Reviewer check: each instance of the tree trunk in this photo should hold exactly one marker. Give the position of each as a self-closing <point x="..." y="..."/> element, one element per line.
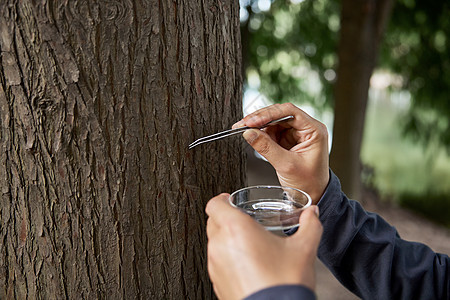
<point x="362" y="25"/>
<point x="100" y="198"/>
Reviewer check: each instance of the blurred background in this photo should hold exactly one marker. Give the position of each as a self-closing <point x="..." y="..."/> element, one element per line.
<point x="377" y="73"/>
<point x="291" y="52"/>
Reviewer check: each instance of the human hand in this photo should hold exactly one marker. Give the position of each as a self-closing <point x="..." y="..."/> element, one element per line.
<point x="244" y="258"/>
<point x="297" y="149"/>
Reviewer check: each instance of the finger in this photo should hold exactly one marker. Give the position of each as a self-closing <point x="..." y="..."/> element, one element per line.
<point x="285" y="137"/>
<point x="238" y="124"/>
<point x="310" y="230"/>
<point x="214" y="203"/>
<point x="267" y="147"/>
<point x="219" y="209"/>
<point x="263" y="116"/>
<point x="212" y="272"/>
<point x="277" y="111"/>
<point x="249" y="116"/>
<point x="211" y="228"/>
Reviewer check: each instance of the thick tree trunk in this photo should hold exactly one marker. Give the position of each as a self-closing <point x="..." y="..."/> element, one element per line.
<point x="100" y="197"/>
<point x="362" y="25"/>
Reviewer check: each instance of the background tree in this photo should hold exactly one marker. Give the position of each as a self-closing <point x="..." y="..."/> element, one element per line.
<point x="335" y="41"/>
<point x="362" y="26"/>
<point x="100" y="197"/>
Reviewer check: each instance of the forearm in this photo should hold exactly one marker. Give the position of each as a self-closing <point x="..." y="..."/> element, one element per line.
<point x="366" y="254"/>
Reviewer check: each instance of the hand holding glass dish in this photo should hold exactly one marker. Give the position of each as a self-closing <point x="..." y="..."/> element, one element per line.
<point x="277" y="208"/>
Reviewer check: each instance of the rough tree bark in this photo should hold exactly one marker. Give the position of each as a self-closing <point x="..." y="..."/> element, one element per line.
<point x="99" y="196"/>
<point x="362" y="25"/>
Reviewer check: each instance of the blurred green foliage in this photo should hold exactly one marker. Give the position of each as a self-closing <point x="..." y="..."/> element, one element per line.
<point x="417" y="46"/>
<point x="401" y="169"/>
<point x="401" y="166"/>
<point x="292" y="49"/>
<point x="292" y="56"/>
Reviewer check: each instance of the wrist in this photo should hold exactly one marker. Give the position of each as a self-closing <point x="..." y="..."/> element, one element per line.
<point x="321" y="187"/>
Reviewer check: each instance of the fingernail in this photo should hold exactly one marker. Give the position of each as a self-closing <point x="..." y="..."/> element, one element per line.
<point x="238" y="124"/>
<point x="250" y="135"/>
<point x="316" y="210"/>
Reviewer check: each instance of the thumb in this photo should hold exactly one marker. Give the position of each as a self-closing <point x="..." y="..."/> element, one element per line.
<point x="264" y="145"/>
<point x="310" y="230"/>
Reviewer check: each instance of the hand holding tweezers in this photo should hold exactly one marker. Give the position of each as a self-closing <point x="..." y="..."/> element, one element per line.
<point x="223" y="134"/>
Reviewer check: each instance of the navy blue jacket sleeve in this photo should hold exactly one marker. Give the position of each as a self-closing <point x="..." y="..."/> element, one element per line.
<point x="368" y="257"/>
<point x="283" y="292"/>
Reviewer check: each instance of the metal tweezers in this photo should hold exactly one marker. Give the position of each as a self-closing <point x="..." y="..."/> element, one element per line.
<point x="230" y="132"/>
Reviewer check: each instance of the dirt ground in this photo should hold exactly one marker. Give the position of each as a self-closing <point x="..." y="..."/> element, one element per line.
<point x="410" y="227"/>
